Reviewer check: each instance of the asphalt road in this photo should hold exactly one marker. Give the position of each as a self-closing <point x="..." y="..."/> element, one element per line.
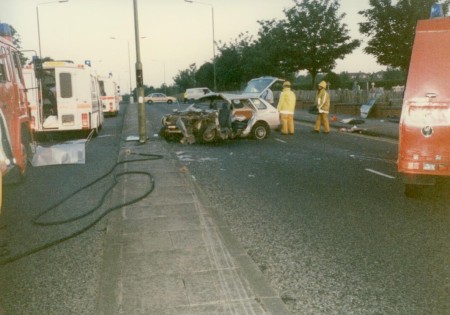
<point x="60" y="279"/>
<point x="325" y="219"/>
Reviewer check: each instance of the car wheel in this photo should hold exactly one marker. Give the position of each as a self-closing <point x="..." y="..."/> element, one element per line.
<point x="169" y="101"/>
<point x="206" y="134"/>
<point x="260" y="131"/>
<point x="149" y="102"/>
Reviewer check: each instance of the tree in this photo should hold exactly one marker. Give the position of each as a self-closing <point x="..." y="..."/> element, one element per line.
<point x="235" y="62"/>
<point x="270" y="50"/>
<point x="186" y="78"/>
<point x="17" y="42"/>
<point x="205" y="75"/>
<point x="391" y="29"/>
<point x="316" y="36"/>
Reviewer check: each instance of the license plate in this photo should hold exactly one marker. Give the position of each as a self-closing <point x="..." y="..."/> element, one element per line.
<point x="429" y="167"/>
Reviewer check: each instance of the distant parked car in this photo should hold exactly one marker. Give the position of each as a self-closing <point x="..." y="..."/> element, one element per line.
<point x="159" y="98"/>
<point x="195" y="93"/>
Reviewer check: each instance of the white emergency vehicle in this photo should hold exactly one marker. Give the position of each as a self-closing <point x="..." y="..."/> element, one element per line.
<point x="109" y="93"/>
<point x="64" y="97"/>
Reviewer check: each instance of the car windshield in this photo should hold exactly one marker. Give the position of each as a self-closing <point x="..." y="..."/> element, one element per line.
<point x="206" y="103"/>
<point x="258" y="85"/>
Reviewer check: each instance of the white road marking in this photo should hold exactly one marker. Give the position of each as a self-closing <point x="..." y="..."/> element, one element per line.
<point x="379" y="173"/>
<point x="279" y="140"/>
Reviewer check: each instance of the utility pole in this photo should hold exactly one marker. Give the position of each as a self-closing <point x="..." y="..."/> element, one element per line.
<point x="139" y="80"/>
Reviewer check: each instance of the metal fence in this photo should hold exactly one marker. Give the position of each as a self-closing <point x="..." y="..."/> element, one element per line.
<point x="389" y="98"/>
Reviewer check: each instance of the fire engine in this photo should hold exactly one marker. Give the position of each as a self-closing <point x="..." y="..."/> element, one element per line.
<point x="15" y="133"/>
<point x="424" y="139"/>
<point x="64" y="96"/>
<point x="109" y="95"/>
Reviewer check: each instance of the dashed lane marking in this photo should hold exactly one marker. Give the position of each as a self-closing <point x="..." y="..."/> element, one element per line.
<point x="279" y="140"/>
<point x="379" y="173"/>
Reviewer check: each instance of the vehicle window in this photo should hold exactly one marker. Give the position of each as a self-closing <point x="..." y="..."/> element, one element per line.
<point x="206" y="104"/>
<point x="65" y="84"/>
<point x="3" y="66"/>
<point x="94" y="91"/>
<point x="258" y="104"/>
<point x="102" y="88"/>
<point x="17" y="67"/>
<point x="257" y="85"/>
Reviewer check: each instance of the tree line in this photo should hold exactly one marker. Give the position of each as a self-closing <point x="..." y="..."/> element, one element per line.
<point x="312" y="37"/>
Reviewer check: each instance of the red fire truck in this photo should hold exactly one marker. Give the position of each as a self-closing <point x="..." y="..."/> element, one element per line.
<point x="15" y="133"/>
<point x="424" y="142"/>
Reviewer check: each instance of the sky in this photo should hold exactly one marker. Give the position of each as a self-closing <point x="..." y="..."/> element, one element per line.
<point x="173" y="33"/>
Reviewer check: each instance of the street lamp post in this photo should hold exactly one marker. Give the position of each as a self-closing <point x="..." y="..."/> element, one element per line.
<point x="37" y="15"/>
<point x="214" y="40"/>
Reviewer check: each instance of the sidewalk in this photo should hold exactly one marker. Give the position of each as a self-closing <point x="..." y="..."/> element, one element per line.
<point x="170" y="253"/>
<point x="373" y="126"/>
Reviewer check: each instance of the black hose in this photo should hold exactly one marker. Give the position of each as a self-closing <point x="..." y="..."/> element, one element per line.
<point x="36" y="219"/>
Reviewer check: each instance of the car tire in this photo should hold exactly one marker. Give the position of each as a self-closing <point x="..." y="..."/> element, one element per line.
<point x="149" y="102"/>
<point x="169" y="101"/>
<point x="260" y="131"/>
<point x="206" y="134"/>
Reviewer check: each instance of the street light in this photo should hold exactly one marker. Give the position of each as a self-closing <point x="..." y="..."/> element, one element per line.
<point x="164" y="67"/>
<point x="129" y="67"/>
<point x="37" y="14"/>
<point x="214" y="40"/>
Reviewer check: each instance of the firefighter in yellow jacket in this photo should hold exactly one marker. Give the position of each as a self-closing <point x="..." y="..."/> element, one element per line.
<point x="323" y="106"/>
<point x="286" y="107"/>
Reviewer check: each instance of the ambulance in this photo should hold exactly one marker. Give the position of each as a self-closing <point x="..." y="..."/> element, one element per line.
<point x="109" y="94"/>
<point x="16" y="139"/>
<point x="64" y="96"/>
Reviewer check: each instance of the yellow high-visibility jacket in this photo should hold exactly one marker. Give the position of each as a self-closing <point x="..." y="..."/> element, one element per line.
<point x="286" y="104"/>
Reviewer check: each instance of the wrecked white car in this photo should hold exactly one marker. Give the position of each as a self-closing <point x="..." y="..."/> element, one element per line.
<point x="220" y="116"/>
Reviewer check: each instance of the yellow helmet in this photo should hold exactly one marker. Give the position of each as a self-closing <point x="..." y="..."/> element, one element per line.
<point x="323" y="84"/>
<point x="286" y="84"/>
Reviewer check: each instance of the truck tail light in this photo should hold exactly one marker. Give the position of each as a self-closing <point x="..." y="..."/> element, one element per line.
<point x="84" y="120"/>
